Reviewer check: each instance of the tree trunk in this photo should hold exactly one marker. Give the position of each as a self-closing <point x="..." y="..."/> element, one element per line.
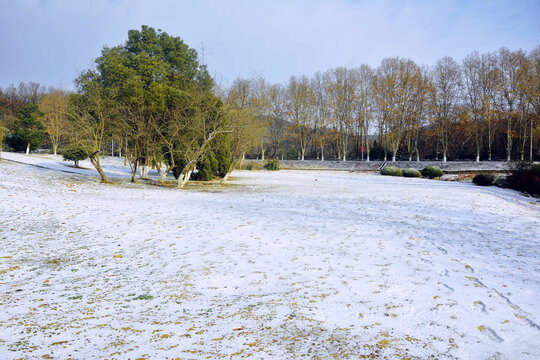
<point x="94" y="159"/>
<point x="188" y="169"/>
<point x="55" y="149"/>
<point x="184" y="178"/>
<point x="126" y="153"/>
<point x="367" y="150"/>
<point x="508" y="138"/>
<point x="489" y="141"/>
<point x="231" y="168"/>
<point x="28" y="149"/>
<point x="144" y="168"/>
<point x="133" y="170"/>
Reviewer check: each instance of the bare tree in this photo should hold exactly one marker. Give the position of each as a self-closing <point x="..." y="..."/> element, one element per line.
<point x="416" y="111"/>
<point x="300" y="111"/>
<point x="321" y="112"/>
<point x="394" y="88"/>
<point x="341" y="92"/>
<point x="510" y="63"/>
<point x="473" y="96"/>
<point x="53" y="106"/>
<point x="91" y="114"/>
<point x="244" y="128"/>
<point x="530" y="84"/>
<point x="262" y="109"/>
<point x="277" y="100"/>
<point x="445" y="98"/>
<point x="364" y="105"/>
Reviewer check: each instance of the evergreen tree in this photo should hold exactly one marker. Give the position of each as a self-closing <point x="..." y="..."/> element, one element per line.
<point x="28" y="131"/>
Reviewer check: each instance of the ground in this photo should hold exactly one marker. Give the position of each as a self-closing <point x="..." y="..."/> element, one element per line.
<point x="277" y="265"/>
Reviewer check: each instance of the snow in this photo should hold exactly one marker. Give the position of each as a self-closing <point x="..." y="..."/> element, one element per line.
<point x="277" y="265"/>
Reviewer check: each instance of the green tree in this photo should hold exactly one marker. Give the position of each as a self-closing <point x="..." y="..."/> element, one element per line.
<point x="28" y="131"/>
<point x="75" y="154"/>
<point x="3" y="132"/>
<point x="166" y="108"/>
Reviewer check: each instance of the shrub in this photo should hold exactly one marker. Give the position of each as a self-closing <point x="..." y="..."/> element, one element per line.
<point x="411" y="173"/>
<point x="523" y="180"/>
<point x="391" y="171"/>
<point x="484" y="179"/>
<point x="207" y="167"/>
<point x="76" y="154"/>
<point x="432" y="172"/>
<point x="249" y="166"/>
<point x="272" y="164"/>
<point x="535" y="169"/>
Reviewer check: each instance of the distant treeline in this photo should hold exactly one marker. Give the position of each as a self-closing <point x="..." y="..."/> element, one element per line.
<point x="152" y="101"/>
<point x="485" y="108"/>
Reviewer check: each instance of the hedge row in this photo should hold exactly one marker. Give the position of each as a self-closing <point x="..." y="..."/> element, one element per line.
<point x="430" y="172"/>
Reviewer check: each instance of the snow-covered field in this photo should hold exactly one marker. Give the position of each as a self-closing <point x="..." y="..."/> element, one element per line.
<point x="278" y="265"/>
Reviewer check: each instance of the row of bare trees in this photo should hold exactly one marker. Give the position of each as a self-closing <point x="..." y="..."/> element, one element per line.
<point x="489" y="99"/>
<point x="484" y="107"/>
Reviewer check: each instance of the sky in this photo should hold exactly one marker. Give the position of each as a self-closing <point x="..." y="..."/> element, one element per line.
<point x="51" y="41"/>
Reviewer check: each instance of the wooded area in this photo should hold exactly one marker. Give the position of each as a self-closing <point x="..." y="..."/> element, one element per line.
<point x="153" y="102"/>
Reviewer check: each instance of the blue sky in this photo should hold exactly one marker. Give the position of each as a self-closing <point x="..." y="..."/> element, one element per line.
<point x="50" y="41"/>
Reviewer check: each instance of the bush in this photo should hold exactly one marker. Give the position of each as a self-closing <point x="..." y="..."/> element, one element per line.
<point x="524" y="181"/>
<point x="272" y="164"/>
<point x="392" y="171"/>
<point x="484" y="179"/>
<point x="432" y="172"/>
<point x="411" y="173"/>
<point x="207" y="167"/>
<point x="76" y="154"/>
<point x="222" y="152"/>
<point x="249" y="166"/>
<point x="535" y="169"/>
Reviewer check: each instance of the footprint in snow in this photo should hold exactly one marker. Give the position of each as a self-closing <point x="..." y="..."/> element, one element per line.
<point x="480" y="305"/>
<point x="444" y="273"/>
<point x="475" y="281"/>
<point x="490" y="333"/>
<point x="442" y="250"/>
<point x="528" y="321"/>
<point x="448" y="287"/>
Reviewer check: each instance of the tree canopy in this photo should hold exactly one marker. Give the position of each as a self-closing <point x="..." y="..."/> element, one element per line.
<point x="163" y="107"/>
